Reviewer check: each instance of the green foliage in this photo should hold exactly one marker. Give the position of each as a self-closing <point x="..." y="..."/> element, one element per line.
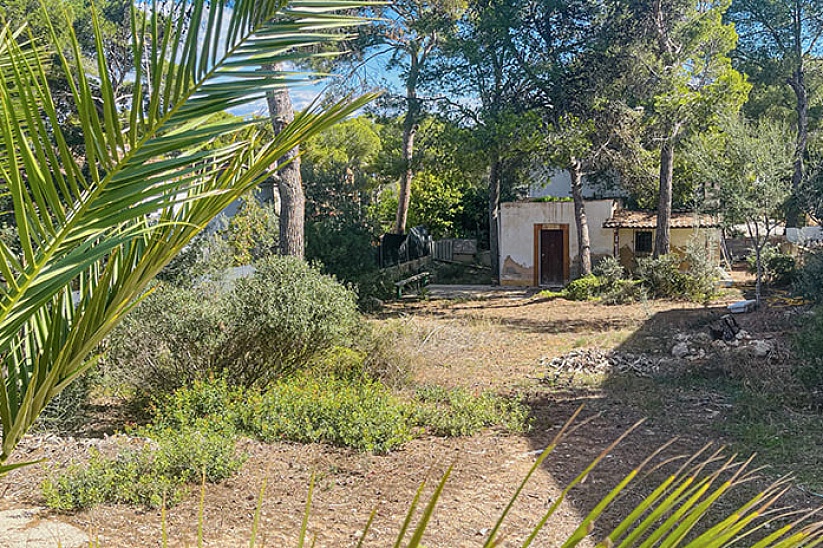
<point x="609" y="270"/>
<point x="83" y="219"/>
<point x="665" y="278"/>
<point x="252" y="233"/>
<point x="808" y="344"/>
<point x="458" y="412"/>
<point x="173" y="337"/>
<point x="808" y="281"/>
<point x="152" y="475"/>
<point x="583" y="289"/>
<point x="778" y="268"/>
<point x="277" y="321"/>
<point x="361" y="413"/>
<point x="283" y="317"/>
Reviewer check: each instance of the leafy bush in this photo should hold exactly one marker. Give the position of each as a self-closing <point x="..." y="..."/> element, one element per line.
<point x="609" y="271"/>
<point x="458" y="412"/>
<point x="624" y="292"/>
<point x="663" y="278"/>
<point x="283" y="317"/>
<point x="362" y="414"/>
<point x="279" y="320"/>
<point x="808" y="281"/>
<point x="583" y="288"/>
<point x="809" y="346"/>
<point x="778" y="268"/>
<point x="156" y="472"/>
<point x="172" y="338"/>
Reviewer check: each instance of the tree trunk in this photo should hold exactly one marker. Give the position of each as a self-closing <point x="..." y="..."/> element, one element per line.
<point x="494" y="218"/>
<point x="583" y="242"/>
<point x="798" y="84"/>
<point x="409" y="131"/>
<point x="289" y="181"/>
<point x="664" y="205"/>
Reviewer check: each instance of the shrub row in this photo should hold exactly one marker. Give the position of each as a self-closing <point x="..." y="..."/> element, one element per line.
<point x="195" y="429"/>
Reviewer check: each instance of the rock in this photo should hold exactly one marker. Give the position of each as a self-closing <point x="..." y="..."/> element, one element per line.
<point x="25" y="527"/>
<point x="719" y="345"/>
<point x="681" y="337"/>
<point x="760" y="349"/>
<point x="680" y="350"/>
<point x="743" y="335"/>
<point x="702" y="338"/>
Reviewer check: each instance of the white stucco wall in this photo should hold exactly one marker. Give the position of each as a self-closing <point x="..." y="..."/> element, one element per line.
<point x="517" y="245"/>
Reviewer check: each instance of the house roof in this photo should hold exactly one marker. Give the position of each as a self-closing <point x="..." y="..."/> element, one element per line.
<point x="624" y="218"/>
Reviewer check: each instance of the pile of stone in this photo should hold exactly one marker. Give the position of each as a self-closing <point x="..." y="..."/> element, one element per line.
<point x="696" y="346"/>
<point x="597" y="361"/>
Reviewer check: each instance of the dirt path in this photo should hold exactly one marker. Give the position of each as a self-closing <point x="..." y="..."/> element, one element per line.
<point x="496" y="343"/>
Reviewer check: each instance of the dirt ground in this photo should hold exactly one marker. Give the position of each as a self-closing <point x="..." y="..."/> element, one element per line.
<point x="492" y="344"/>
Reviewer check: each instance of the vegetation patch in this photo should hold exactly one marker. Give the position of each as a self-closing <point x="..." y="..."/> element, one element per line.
<point x="458" y="412"/>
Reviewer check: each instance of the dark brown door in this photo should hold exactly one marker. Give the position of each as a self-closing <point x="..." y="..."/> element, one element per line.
<point x="551" y="257"/>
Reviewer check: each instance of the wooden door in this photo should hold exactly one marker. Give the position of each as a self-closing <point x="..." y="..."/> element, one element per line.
<point x="551" y="257"/>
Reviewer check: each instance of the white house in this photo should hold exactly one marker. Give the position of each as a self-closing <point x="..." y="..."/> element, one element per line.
<point x="539" y="247"/>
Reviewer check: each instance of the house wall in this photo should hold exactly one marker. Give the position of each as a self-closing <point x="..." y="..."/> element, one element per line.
<point x="679" y="239"/>
<point x="517" y="235"/>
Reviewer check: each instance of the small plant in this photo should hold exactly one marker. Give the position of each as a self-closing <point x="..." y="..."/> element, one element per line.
<point x="458" y="412"/>
<point x="156" y="472"/>
<point x="360" y="414"/>
<point x="778" y="268"/>
<point x="808" y="282"/>
<point x="609" y="271"/>
<point x="282" y="318"/>
<point x="583" y="289"/>
<point x="665" y="277"/>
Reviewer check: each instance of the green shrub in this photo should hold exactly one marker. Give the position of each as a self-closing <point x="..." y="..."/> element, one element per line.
<point x="778" y="268"/>
<point x="583" y="288"/>
<point x="663" y="278"/>
<point x="808" y="344"/>
<point x="275" y="322"/>
<point x="458" y="412"/>
<point x="283" y="317"/>
<point x="172" y="338"/>
<point x="158" y="471"/>
<point x="624" y="292"/>
<point x="609" y="271"/>
<point x="362" y="414"/>
<point x="808" y="282"/>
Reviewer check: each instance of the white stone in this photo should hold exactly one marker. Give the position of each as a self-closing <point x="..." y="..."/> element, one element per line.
<point x="680" y="350"/>
<point x="760" y="349"/>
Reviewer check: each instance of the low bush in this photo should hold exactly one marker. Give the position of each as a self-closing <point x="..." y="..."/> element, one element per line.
<point x="808" y="344"/>
<point x="582" y="289"/>
<point x="363" y="415"/>
<point x="172" y="338"/>
<point x="155" y="473"/>
<point x="808" y="280"/>
<point x="778" y="268"/>
<point x="609" y="271"/>
<point x="283" y="317"/>
<point x="458" y="412"/>
<point x="663" y="277"/>
<point x="275" y="322"/>
<point x="624" y="292"/>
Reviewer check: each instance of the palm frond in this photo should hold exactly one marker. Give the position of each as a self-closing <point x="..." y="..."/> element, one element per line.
<point x="152" y="176"/>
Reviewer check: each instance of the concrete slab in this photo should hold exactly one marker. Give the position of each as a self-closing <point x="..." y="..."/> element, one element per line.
<point x="439" y="291"/>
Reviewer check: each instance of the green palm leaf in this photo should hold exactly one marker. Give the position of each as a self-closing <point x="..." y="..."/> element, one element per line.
<point x="152" y="176"/>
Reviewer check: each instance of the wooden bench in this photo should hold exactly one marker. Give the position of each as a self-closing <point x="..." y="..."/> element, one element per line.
<point x="417" y="281"/>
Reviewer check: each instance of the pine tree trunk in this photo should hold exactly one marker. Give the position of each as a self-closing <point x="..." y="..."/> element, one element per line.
<point x="664" y="205"/>
<point x="583" y="242"/>
<point x="798" y="84"/>
<point x="289" y="181"/>
<point x="494" y="219"/>
<point x="409" y="132"/>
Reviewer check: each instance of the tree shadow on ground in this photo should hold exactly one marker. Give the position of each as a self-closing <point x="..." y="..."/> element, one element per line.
<point x="687" y="401"/>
